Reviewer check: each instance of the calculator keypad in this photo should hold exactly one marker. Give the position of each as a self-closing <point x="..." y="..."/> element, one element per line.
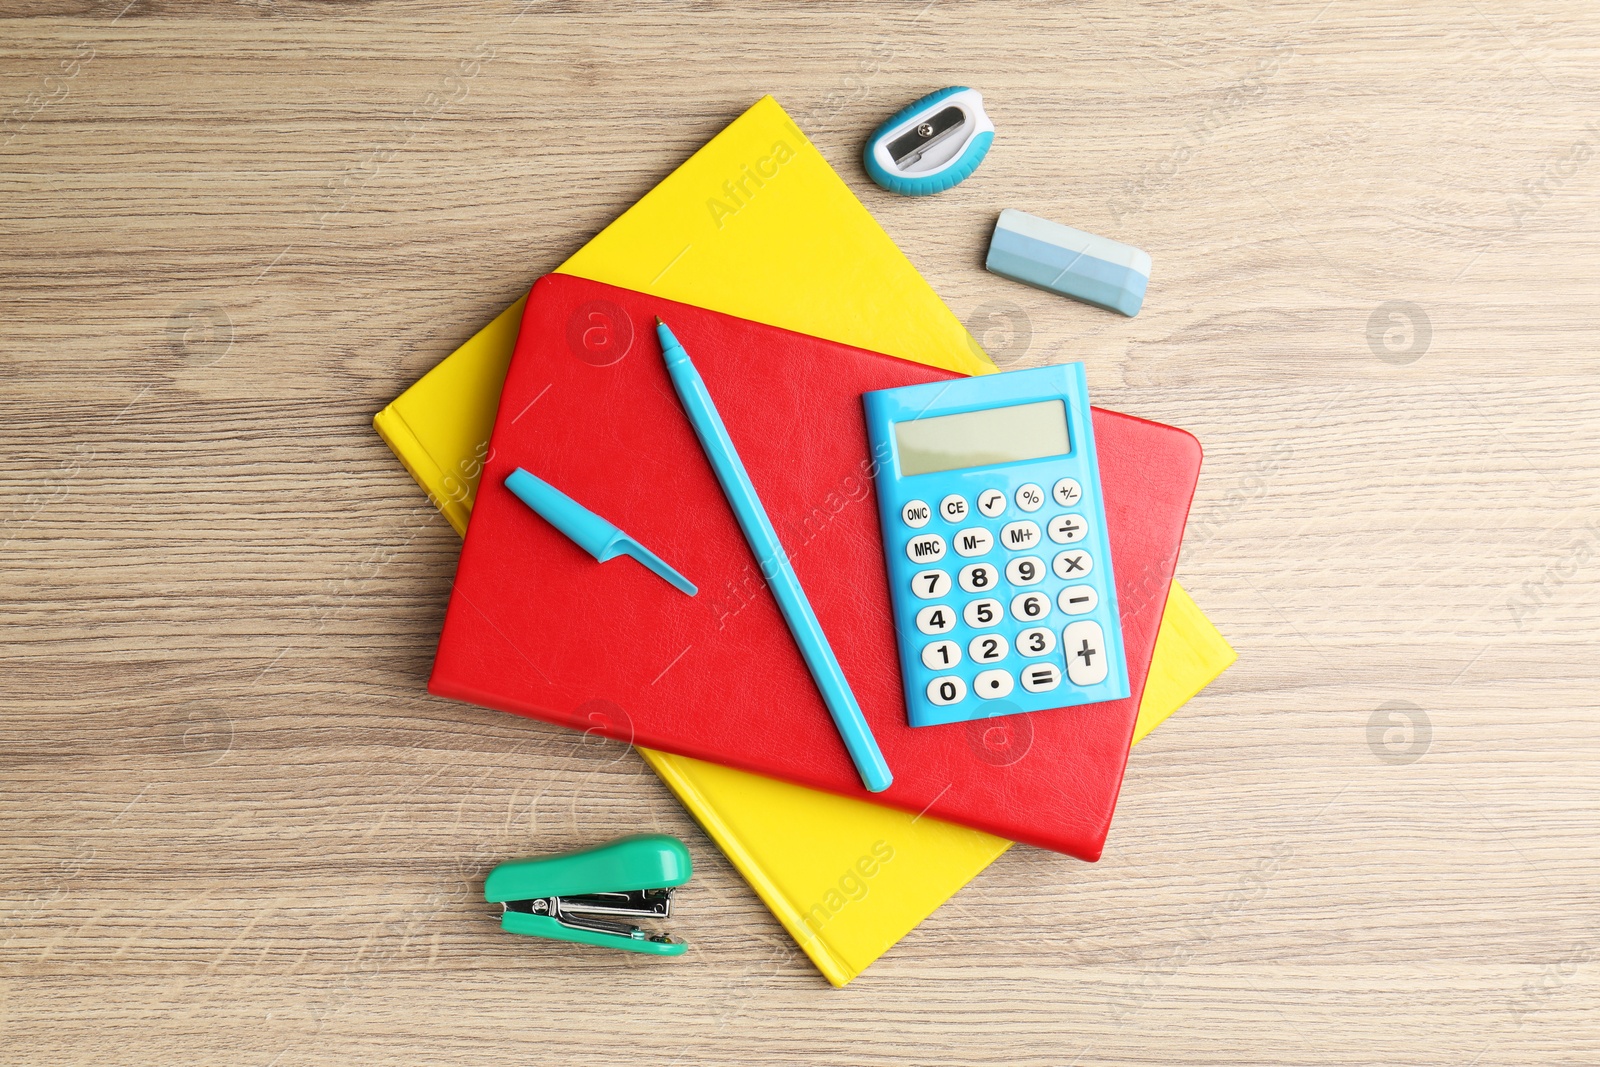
<point x="1011" y="591"/>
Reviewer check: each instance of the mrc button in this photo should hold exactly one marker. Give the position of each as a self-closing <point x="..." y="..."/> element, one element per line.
<point x="928" y="548"/>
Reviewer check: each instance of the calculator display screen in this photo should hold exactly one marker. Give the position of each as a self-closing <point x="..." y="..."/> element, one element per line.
<point x="983" y="438"/>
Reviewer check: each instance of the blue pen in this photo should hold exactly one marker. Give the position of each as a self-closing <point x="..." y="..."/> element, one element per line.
<point x="774" y="563"/>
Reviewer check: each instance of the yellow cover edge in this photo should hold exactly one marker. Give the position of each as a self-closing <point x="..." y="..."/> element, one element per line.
<point x="830" y="963"/>
<point x="419" y="462"/>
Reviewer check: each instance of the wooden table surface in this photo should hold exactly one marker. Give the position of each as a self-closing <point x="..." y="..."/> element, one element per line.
<point x="234" y="829"/>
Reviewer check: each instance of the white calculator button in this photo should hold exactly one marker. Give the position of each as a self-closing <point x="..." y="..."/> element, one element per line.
<point x="981" y="613"/>
<point x="974" y="541"/>
<point x="1068" y="492"/>
<point x="1030" y="497"/>
<point x="953" y="508"/>
<point x="1019" y="535"/>
<point x="1073" y="563"/>
<point x="1025" y="570"/>
<point x="941" y="655"/>
<point x="988" y="648"/>
<point x="1036" y="641"/>
<point x="925" y="548"/>
<point x="1030" y="607"/>
<point x="992" y="685"/>
<point x="1085" y="646"/>
<point x="916" y="514"/>
<point x="930" y="585"/>
<point x="1041" y="677"/>
<point x="979" y="577"/>
<point x="991" y="502"/>
<point x="936" y="618"/>
<point x="1078" y="599"/>
<point x="943" y="691"/>
<point x="1065" y="529"/>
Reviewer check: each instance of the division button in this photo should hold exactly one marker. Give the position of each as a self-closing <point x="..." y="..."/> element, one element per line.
<point x="949" y="690"/>
<point x="1084" y="644"/>
<point x="973" y="541"/>
<point x="925" y="548"/>
<point x="916" y="514"/>
<point x="1065" y="529"/>
<point x="1041" y="677"/>
<point x="992" y="685"/>
<point x="991" y="502"/>
<point x="1067" y="492"/>
<point x="1078" y="599"/>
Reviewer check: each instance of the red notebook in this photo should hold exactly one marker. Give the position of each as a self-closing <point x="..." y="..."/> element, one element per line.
<point x="537" y="627"/>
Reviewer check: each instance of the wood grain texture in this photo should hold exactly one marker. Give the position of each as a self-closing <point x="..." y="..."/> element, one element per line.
<point x="235" y="829"/>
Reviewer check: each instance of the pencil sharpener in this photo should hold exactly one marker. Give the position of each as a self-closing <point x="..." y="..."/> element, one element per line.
<point x="931" y="144"/>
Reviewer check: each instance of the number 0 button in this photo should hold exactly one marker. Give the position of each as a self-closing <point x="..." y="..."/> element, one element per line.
<point x="943" y="691"/>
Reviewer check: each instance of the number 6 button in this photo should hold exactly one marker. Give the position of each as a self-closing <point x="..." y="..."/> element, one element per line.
<point x="1030" y="607"/>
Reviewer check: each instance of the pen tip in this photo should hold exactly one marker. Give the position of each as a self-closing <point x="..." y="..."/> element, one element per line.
<point x="659" y="322"/>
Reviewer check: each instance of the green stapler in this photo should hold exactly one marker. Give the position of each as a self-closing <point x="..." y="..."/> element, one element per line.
<point x="589" y="896"/>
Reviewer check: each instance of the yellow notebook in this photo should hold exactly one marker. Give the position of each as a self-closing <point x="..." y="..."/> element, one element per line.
<point x="756" y="224"/>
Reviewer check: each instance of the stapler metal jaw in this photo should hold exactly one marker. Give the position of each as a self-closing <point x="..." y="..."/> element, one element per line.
<point x="592" y="896"/>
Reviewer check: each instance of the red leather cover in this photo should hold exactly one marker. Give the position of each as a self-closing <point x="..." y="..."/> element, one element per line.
<point x="536" y="627"/>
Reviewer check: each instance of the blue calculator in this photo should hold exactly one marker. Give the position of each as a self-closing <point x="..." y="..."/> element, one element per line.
<point x="995" y="534"/>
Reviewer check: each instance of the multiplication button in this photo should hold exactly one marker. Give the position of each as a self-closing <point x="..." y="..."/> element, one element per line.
<point x="1073" y="563"/>
<point x="925" y="548"/>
